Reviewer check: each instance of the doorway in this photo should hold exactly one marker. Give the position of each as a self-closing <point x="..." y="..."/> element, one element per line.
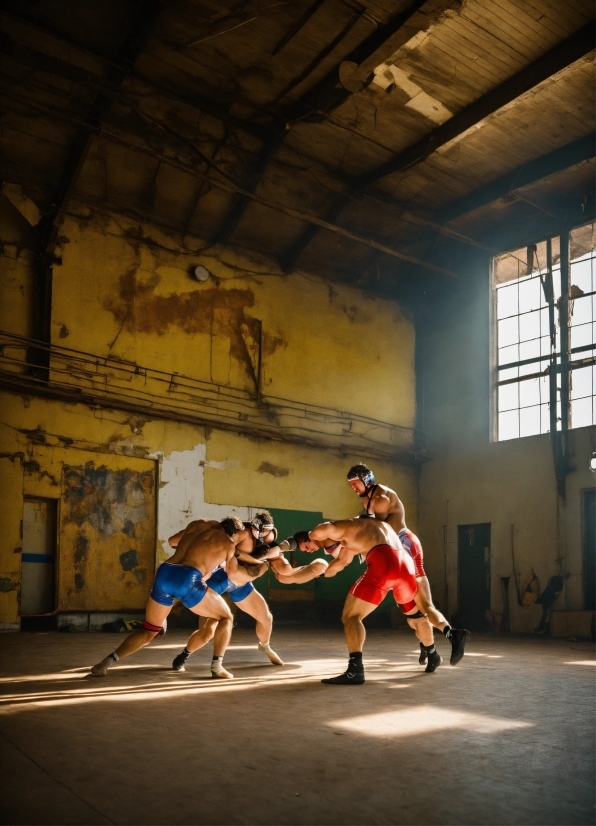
<point x="473" y="543"/>
<point x="589" y="532"/>
<point x="38" y="559"/>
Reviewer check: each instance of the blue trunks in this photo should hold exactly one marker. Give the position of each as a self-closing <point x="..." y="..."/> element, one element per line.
<point x="178" y="582"/>
<point x="221" y="584"/>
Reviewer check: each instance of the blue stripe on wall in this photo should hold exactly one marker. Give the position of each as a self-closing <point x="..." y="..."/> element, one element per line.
<point x="38" y="558"/>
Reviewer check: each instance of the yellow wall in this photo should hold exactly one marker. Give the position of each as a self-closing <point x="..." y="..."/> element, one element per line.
<point x="124" y="290"/>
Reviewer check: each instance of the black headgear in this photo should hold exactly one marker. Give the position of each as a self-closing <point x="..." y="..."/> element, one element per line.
<point x="260" y="527"/>
<point x="364" y="473"/>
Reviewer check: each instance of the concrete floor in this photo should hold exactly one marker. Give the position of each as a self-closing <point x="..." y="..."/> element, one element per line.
<point x="507" y="737"/>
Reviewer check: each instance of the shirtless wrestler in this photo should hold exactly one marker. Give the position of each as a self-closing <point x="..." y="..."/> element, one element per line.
<point x="388" y="567"/>
<point x="383" y="503"/>
<point x="256" y="545"/>
<point x="201" y="548"/>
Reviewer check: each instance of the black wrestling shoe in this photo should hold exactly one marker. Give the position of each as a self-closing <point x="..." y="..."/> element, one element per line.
<point x="179" y="662"/>
<point x="458" y="639"/>
<point x="434" y="661"/>
<point x="422" y="657"/>
<point x="347" y="678"/>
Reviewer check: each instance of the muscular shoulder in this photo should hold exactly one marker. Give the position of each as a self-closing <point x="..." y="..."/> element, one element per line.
<point x="245" y="541"/>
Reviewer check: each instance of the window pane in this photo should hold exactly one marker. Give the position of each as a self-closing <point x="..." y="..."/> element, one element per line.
<point x="529" y="326"/>
<point x="582" y="382"/>
<point x="508" y="396"/>
<point x="529" y="393"/>
<point x="507" y="301"/>
<point x="544" y="385"/>
<point x="582" y="413"/>
<point x="508" y="331"/>
<point x="581" y="275"/>
<point x="529" y="294"/>
<point x="529" y="421"/>
<point x="530" y="350"/>
<point x="582" y="311"/>
<point x="582" y="335"/>
<point x="509" y="425"/>
<point x="509" y="354"/>
<point x="510" y="373"/>
<point x="557" y="282"/>
<point x="544" y="418"/>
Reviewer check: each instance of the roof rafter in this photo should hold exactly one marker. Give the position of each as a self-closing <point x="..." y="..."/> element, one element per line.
<point x="559" y="58"/>
<point x="536" y="170"/>
<point x="328" y="93"/>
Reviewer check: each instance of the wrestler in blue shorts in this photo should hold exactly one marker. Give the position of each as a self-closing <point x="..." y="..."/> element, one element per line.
<point x="257" y="532"/>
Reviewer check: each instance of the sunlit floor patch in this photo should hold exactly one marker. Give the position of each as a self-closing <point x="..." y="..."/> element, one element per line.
<point x="424" y="719"/>
<point x="580" y="662"/>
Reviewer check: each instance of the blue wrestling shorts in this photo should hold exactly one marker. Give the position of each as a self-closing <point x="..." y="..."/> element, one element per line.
<point x="221" y="584"/>
<point x="178" y="582"/>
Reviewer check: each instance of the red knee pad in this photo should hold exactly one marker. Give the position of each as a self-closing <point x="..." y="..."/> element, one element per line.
<point x="160" y="630"/>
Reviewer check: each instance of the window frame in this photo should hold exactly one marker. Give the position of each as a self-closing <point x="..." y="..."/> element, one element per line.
<point x="576" y="354"/>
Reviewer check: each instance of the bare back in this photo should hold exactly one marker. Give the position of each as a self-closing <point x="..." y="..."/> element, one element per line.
<point x="386" y="505"/>
<point x="203" y="545"/>
<point x="357" y="536"/>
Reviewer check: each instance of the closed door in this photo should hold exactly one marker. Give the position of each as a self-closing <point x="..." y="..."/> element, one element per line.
<point x="474" y="569"/>
<point x="589" y="549"/>
<point x="38" y="560"/>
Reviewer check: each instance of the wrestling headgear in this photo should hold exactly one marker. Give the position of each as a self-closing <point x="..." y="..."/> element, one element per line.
<point x="364" y="473"/>
<point x="261" y="525"/>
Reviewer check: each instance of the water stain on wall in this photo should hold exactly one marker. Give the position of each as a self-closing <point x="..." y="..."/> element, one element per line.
<point x="273" y="470"/>
<point x="138" y="309"/>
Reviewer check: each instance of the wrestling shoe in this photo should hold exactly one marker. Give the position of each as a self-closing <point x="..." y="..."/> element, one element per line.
<point x="422" y="657"/>
<point x="179" y="662"/>
<point x="347" y="678"/>
<point x="458" y="639"/>
<point x="434" y="661"/>
<point x="269" y="652"/>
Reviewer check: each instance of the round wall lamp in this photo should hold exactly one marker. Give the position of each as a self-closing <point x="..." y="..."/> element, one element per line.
<point x="593" y="460"/>
<point x="200" y="273"/>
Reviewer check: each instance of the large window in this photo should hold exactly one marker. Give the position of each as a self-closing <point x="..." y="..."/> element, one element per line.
<point x="546" y="335"/>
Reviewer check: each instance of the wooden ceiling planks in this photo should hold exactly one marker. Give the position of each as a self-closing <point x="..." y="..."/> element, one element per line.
<point x="464" y="55"/>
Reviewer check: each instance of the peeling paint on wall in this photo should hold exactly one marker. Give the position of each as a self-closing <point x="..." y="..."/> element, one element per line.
<point x="181" y="496"/>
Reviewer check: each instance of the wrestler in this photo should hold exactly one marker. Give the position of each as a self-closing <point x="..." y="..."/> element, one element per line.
<point x="383" y="503"/>
<point x="239" y="588"/>
<point x="201" y="548"/>
<point x="388" y="566"/>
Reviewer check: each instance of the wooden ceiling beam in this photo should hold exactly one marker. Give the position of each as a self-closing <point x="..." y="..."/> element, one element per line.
<point x="532" y="172"/>
<point x="559" y="58"/>
<point x="562" y="56"/>
<point x="198" y="102"/>
<point x="328" y="93"/>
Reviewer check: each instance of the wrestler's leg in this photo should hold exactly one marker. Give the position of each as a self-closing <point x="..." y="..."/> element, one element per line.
<point x="214" y="607"/>
<point x="255" y="606"/>
<point x="197" y="639"/>
<point x="423" y="630"/>
<point x="155" y="615"/>
<point x="304" y="573"/>
<point x="435" y="617"/>
<point x="458" y="637"/>
<point x="355" y="610"/>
